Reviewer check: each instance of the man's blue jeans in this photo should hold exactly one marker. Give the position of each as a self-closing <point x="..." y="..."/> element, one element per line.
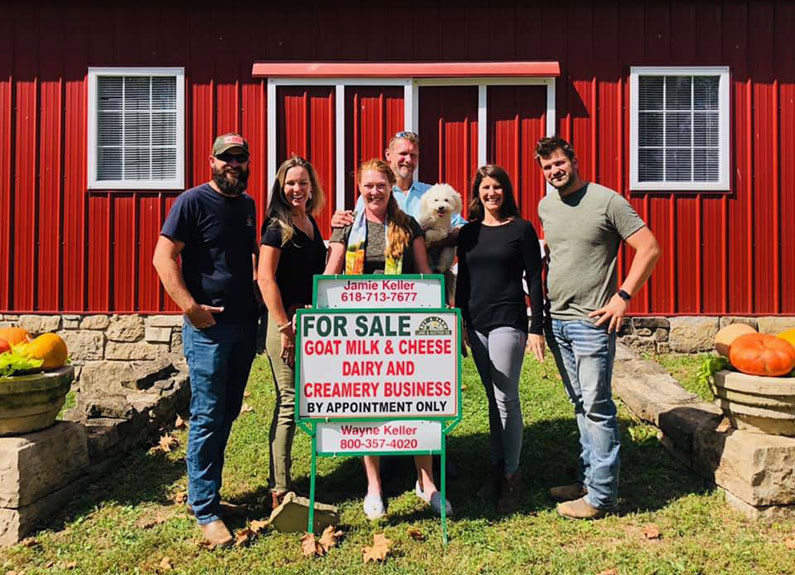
<point x="584" y="354"/>
<point x="219" y="358"/>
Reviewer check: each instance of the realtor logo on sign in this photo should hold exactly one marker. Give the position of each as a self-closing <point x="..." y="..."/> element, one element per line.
<point x="433" y="326"/>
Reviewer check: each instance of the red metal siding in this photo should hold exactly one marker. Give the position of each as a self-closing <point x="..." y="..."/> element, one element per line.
<point x="63" y="248"/>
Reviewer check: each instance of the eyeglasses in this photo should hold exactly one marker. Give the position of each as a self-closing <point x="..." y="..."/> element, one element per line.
<point x="228" y="157"/>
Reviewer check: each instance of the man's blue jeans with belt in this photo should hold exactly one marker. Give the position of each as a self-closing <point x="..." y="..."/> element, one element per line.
<point x="584" y="355"/>
<point x="219" y="358"/>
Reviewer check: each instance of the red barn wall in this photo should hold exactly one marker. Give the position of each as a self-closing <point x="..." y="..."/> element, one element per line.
<point x="66" y="249"/>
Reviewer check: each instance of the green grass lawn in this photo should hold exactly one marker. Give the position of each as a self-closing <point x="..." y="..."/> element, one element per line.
<point x="126" y="523"/>
<point x="684" y="369"/>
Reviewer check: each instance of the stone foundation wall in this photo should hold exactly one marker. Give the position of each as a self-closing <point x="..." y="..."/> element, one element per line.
<point x="690" y="334"/>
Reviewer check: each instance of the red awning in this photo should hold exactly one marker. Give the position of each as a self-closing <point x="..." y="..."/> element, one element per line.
<point x="404" y="69"/>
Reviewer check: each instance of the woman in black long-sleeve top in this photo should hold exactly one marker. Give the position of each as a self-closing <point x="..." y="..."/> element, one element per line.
<point x="495" y="250"/>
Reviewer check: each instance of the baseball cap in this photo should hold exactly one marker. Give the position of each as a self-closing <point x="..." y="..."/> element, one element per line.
<point x="227" y="142"/>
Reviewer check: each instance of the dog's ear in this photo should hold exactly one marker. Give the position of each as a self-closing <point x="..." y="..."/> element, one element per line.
<point x="458" y="203"/>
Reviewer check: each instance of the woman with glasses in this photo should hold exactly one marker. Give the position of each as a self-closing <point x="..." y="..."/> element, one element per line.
<point x="495" y="250"/>
<point x="383" y="240"/>
<point x="291" y="253"/>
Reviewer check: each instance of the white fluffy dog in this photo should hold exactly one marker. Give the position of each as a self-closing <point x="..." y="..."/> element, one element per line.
<point x="437" y="207"/>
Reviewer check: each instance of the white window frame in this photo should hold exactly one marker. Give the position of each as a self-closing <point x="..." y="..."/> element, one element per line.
<point x="177" y="183"/>
<point x="411" y="112"/>
<point x="724" y="120"/>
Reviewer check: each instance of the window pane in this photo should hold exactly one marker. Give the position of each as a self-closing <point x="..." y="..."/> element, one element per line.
<point x="705" y="166"/>
<point x="136" y="93"/>
<point x="109" y="164"/>
<point x="109" y="129"/>
<point x="705" y="128"/>
<point x="136" y="164"/>
<point x="677" y="92"/>
<point x="650" y="166"/>
<point x="136" y="129"/>
<point x="678" y="129"/>
<point x="650" y="128"/>
<point x="164" y="93"/>
<point x="164" y="129"/>
<point x="164" y="163"/>
<point x="109" y="92"/>
<point x="650" y="92"/>
<point x="677" y="166"/>
<point x="705" y="92"/>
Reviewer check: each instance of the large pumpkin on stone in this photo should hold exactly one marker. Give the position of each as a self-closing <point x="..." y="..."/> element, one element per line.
<point x="727" y="335"/>
<point x="762" y="354"/>
<point x="48" y="347"/>
<point x="4" y="346"/>
<point x="14" y="335"/>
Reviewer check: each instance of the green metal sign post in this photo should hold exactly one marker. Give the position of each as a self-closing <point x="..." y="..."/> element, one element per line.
<point x="378" y="380"/>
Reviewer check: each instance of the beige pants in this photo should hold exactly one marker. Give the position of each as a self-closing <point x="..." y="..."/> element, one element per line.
<point x="283" y="423"/>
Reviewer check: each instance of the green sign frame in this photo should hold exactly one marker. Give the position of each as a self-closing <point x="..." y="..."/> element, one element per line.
<point x="309" y="425"/>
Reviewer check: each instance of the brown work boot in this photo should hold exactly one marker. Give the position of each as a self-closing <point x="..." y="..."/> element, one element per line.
<point x="567" y="492"/>
<point x="580" y="509"/>
<point x="492" y="488"/>
<point x="225" y="509"/>
<point x="511" y="493"/>
<point x="216" y="534"/>
<point x="277" y="497"/>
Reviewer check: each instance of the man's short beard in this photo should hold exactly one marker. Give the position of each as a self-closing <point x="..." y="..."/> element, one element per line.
<point x="229" y="187"/>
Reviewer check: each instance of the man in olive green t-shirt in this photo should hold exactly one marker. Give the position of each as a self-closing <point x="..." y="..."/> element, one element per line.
<point x="584" y="224"/>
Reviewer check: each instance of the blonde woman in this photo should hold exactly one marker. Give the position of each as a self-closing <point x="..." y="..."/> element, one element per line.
<point x="383" y="240"/>
<point x="291" y="252"/>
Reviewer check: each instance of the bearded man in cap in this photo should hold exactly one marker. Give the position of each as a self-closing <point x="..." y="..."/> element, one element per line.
<point x="212" y="229"/>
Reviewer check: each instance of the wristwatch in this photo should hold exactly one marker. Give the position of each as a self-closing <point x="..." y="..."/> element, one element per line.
<point x="624" y="295"/>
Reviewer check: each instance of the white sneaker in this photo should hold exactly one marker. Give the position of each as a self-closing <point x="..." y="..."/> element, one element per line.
<point x="435" y="500"/>
<point x="374" y="506"/>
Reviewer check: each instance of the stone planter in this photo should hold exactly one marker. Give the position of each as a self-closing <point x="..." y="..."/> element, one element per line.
<point x="32" y="402"/>
<point x="754" y="403"/>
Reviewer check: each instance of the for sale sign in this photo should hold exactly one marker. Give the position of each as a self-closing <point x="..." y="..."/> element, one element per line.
<point x="365" y="364"/>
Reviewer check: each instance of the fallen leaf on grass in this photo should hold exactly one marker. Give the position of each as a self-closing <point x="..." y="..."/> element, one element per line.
<point x="167" y="442"/>
<point x="651" y="531"/>
<point x="30" y="542"/>
<point x="179" y="423"/>
<point x="69" y="565"/>
<point x="150" y="520"/>
<point x="311" y="547"/>
<point x="329" y="537"/>
<point x="246" y="408"/>
<point x="180" y="497"/>
<point x="165" y="564"/>
<point x="379" y="550"/>
<point x="608" y="572"/>
<point x="415" y="534"/>
<point x="246" y="393"/>
<point x="257" y="526"/>
<point x="243" y="536"/>
<point x="790" y="543"/>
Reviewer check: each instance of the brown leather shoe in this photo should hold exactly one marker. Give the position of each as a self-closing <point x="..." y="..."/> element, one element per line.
<point x="567" y="492"/>
<point x="511" y="493"/>
<point x="580" y="509"/>
<point x="225" y="508"/>
<point x="492" y="488"/>
<point x="216" y="534"/>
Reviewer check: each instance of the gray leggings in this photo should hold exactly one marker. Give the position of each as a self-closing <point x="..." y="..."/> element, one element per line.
<point x="498" y="356"/>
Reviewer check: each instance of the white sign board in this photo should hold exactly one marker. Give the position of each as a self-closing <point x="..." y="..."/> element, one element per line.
<point x="382" y="437"/>
<point x="370" y="364"/>
<point x="367" y="292"/>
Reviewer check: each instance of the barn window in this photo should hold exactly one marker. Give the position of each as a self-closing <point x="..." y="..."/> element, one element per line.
<point x="136" y="128"/>
<point x="679" y="132"/>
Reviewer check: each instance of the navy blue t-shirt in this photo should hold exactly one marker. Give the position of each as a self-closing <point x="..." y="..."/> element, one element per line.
<point x="219" y="234"/>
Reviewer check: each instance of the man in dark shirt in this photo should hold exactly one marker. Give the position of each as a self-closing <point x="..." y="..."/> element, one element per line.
<point x="212" y="228"/>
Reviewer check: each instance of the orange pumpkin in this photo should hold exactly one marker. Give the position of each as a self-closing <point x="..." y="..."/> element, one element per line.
<point x="48" y="347"/>
<point x="4" y="346"/>
<point x="762" y="354"/>
<point x="14" y="335"/>
<point x="725" y="337"/>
